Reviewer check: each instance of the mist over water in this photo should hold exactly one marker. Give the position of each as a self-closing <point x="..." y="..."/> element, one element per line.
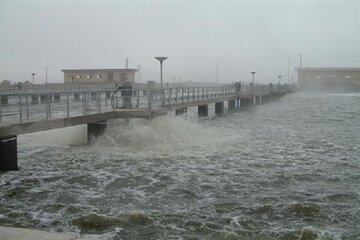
<point x="285" y="170"/>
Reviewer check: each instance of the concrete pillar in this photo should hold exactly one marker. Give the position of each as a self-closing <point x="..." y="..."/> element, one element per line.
<point x="231" y="105"/>
<point x="76" y="97"/>
<point x="180" y="111"/>
<point x="203" y="110"/>
<point x="34" y="99"/>
<point x="95" y="129"/>
<point x="57" y="97"/>
<point x="8" y="153"/>
<point x="4" y="100"/>
<point x="219" y="108"/>
<point x="257" y="100"/>
<point x="42" y="98"/>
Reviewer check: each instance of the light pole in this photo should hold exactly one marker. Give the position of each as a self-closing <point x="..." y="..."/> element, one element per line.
<point x="253" y="82"/>
<point x="33" y="76"/>
<point x="161" y="59"/>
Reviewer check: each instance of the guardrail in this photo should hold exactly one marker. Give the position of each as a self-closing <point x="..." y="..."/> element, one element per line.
<point x="20" y="107"/>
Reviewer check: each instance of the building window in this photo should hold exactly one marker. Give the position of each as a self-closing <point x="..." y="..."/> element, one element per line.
<point x="98" y="76"/>
<point x="318" y="76"/>
<point x="78" y="76"/>
<point x="88" y="76"/>
<point x="347" y="76"/>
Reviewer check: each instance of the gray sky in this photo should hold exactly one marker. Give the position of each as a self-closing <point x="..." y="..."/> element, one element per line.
<point x="244" y="35"/>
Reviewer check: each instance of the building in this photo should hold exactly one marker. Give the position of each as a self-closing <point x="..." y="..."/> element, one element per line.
<point x="98" y="75"/>
<point x="329" y="79"/>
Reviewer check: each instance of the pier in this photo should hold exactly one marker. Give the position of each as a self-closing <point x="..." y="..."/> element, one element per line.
<point x="24" y="112"/>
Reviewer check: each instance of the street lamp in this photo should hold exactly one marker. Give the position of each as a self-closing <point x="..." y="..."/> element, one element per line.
<point x="33" y="76"/>
<point x="161" y="59"/>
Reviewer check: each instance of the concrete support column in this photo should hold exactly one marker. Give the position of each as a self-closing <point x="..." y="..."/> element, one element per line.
<point x="95" y="129"/>
<point x="231" y="105"/>
<point x="57" y="97"/>
<point x="243" y="103"/>
<point x="76" y="97"/>
<point x="42" y="98"/>
<point x="93" y="95"/>
<point x="219" y="108"/>
<point x="257" y="100"/>
<point x="180" y="111"/>
<point x="34" y="99"/>
<point x="203" y="110"/>
<point x="8" y="153"/>
<point x="4" y="100"/>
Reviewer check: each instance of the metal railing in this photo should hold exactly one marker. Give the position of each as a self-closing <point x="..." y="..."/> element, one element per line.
<point x="22" y="107"/>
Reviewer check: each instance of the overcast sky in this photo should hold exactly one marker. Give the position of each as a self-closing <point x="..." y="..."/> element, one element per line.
<point x="243" y="35"/>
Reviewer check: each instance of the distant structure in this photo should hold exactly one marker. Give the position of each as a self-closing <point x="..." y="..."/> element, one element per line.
<point x="329" y="79"/>
<point x="98" y="75"/>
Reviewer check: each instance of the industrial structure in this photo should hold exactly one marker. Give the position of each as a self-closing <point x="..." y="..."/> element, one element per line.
<point x="329" y="79"/>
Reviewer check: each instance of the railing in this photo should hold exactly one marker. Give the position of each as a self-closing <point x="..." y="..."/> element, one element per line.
<point x="34" y="106"/>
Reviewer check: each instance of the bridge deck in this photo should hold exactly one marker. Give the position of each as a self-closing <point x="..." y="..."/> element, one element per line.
<point x="31" y="112"/>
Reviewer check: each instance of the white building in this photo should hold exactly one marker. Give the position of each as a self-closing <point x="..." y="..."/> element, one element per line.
<point x="98" y="75"/>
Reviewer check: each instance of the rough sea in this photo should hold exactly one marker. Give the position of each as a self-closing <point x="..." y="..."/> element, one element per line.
<point x="289" y="169"/>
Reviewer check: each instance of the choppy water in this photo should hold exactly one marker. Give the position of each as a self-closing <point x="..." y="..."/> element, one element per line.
<point x="285" y="170"/>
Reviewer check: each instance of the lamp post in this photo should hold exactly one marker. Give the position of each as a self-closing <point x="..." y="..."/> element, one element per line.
<point x="33" y="76"/>
<point x="161" y="59"/>
<point x="217" y="72"/>
<point x="253" y="82"/>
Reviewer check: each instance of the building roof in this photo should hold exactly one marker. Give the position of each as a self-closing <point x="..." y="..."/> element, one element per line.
<point x="327" y="69"/>
<point x="100" y="70"/>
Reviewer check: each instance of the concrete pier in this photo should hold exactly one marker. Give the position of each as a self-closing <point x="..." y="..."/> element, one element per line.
<point x="219" y="108"/>
<point x="203" y="110"/>
<point x="8" y="153"/>
<point x="93" y="96"/>
<point x="231" y="105"/>
<point x="180" y="111"/>
<point x="95" y="129"/>
<point x="57" y="97"/>
<point x="34" y="99"/>
<point x="4" y="100"/>
<point x="76" y="97"/>
<point x="42" y="98"/>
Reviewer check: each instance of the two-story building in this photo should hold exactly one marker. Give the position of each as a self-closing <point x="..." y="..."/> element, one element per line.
<point x="332" y="79"/>
<point x="98" y="75"/>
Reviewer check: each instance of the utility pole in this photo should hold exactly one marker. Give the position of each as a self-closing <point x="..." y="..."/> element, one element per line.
<point x="127" y="63"/>
<point x="46" y="75"/>
<point x="139" y="73"/>
<point x="217" y="72"/>
<point x="288" y="72"/>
